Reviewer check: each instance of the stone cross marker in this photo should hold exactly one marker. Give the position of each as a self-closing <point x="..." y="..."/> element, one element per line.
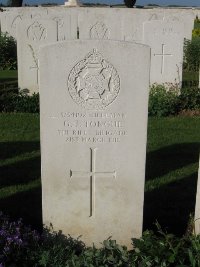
<point x="93" y="137"/>
<point x="92" y="174"/>
<point x="163" y="55"/>
<point x="197" y="209"/>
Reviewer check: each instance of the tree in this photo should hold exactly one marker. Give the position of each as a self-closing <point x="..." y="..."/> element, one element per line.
<point x="129" y="3"/>
<point x="15" y="3"/>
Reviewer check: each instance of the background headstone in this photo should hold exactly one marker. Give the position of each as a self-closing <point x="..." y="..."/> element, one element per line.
<point x="166" y="40"/>
<point x="100" y="23"/>
<point x="31" y="34"/>
<point x="183" y="16"/>
<point x="93" y="138"/>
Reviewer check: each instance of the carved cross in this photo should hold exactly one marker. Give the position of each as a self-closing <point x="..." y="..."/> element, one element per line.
<point x="163" y="55"/>
<point x="37" y="70"/>
<point x="92" y="174"/>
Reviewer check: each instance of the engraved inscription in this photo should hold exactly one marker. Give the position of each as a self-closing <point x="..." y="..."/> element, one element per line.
<point x="15" y="21"/>
<point x="60" y="26"/>
<point x="92" y="174"/>
<point x="165" y="31"/>
<point x="36" y="64"/>
<point x="163" y="55"/>
<point x="92" y="127"/>
<point x="36" y="32"/>
<point x="99" y="31"/>
<point x="153" y="17"/>
<point x="93" y="83"/>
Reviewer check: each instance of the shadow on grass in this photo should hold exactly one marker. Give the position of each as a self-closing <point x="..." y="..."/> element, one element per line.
<point x="21" y="170"/>
<point x="26" y="205"/>
<point x="170" y="158"/>
<point x="171" y="205"/>
<point x="12" y="149"/>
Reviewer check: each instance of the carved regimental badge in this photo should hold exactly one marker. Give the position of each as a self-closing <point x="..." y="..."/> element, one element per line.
<point x="93" y="83"/>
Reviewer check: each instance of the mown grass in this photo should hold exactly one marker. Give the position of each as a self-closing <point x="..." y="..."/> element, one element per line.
<point x="8" y="79"/>
<point x="20" y="188"/>
<point x="171" y="170"/>
<point x="8" y="74"/>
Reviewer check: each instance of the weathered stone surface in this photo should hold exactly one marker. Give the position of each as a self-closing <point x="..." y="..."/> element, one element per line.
<point x="100" y="23"/>
<point x="133" y="22"/>
<point x="93" y="138"/>
<point x="166" y="40"/>
<point x="32" y="34"/>
<point x="183" y="16"/>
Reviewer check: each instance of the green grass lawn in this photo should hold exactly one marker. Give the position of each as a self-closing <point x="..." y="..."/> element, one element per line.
<point x="8" y="79"/>
<point x="171" y="170"/>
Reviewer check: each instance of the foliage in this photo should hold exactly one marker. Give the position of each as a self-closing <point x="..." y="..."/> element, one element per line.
<point x="11" y="100"/>
<point x="163" y="101"/>
<point x="21" y="246"/>
<point x="189" y="99"/>
<point x="129" y="3"/>
<point x="16" y="240"/>
<point x="192" y="53"/>
<point x="196" y="32"/>
<point x="8" y="52"/>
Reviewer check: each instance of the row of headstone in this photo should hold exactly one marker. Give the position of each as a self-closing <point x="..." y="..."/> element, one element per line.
<point x="93" y="114"/>
<point x="130" y="22"/>
<point x="162" y="30"/>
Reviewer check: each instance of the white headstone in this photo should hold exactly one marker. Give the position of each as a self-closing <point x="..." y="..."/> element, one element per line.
<point x="166" y="40"/>
<point x="184" y="16"/>
<point x="93" y="107"/>
<point x="66" y="19"/>
<point x="100" y="23"/>
<point x="133" y="22"/>
<point x="197" y="209"/>
<point x="16" y="15"/>
<point x="31" y="35"/>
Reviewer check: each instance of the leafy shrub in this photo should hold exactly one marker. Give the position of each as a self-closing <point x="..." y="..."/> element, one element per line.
<point x="163" y="101"/>
<point x="196" y="33"/>
<point x="16" y="240"/>
<point x="192" y="53"/>
<point x="56" y="249"/>
<point x="8" y="52"/>
<point x="14" y="101"/>
<point x="20" y="246"/>
<point x="189" y="99"/>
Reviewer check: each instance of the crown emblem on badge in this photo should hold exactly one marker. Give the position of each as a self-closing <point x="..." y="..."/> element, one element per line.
<point x="94" y="57"/>
<point x="93" y="82"/>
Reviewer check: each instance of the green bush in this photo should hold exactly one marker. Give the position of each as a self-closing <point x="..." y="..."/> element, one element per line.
<point x="14" y="101"/>
<point x="8" y="52"/>
<point x="166" y="101"/>
<point x="189" y="99"/>
<point x="192" y="53"/>
<point x="162" y="101"/>
<point x="20" y="246"/>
